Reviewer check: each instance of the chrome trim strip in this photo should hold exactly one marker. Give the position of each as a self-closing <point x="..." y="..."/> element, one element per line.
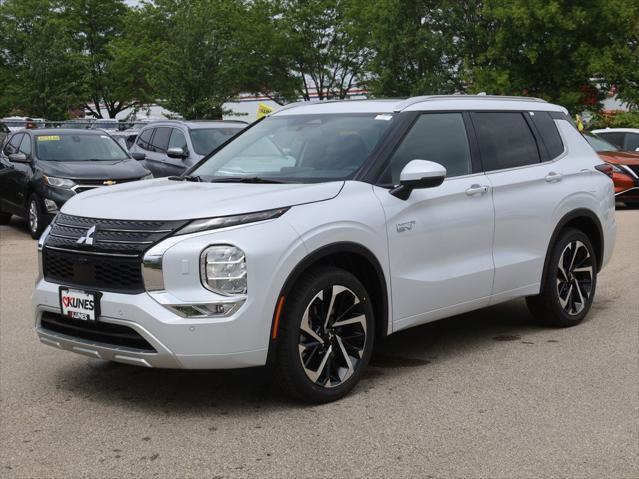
<point x="66" y="250"/>
<point x="111" y="230"/>
<point x="626" y="191"/>
<point x="627" y="169"/>
<point x="121" y="242"/>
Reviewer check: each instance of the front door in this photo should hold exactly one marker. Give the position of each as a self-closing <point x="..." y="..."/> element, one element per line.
<point x="440" y="239"/>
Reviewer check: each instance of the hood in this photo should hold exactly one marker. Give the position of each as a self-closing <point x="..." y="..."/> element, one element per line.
<point x="94" y="170"/>
<point x="163" y="199"/>
<point x="620" y="157"/>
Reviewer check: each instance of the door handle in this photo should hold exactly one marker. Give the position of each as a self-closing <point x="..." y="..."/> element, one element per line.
<point x="553" y="177"/>
<point x="477" y="189"/>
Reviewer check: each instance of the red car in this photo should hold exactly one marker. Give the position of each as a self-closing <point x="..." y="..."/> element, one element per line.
<point x="625" y="168"/>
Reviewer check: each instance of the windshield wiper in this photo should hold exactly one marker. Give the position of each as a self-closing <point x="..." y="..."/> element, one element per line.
<point x="243" y="179"/>
<point x="196" y="179"/>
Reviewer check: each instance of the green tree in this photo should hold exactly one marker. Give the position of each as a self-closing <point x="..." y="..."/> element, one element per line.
<point x="197" y="53"/>
<point x="555" y="50"/>
<point x="415" y="45"/>
<point x="115" y="64"/>
<point x="37" y="70"/>
<point x="324" y="44"/>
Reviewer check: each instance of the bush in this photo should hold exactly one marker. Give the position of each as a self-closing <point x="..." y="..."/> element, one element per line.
<point x="629" y="119"/>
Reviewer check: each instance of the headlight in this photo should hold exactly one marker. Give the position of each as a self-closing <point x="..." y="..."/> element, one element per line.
<point x="226" y="221"/>
<point x="58" y="182"/>
<point x="223" y="269"/>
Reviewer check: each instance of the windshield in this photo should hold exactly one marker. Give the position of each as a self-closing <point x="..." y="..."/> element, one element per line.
<point x="599" y="144"/>
<point x="105" y="125"/>
<point x="70" y="147"/>
<point x="300" y="148"/>
<point x="206" y="140"/>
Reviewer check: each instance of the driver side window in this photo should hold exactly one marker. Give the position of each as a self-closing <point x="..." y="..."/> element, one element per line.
<point x="437" y="137"/>
<point x="12" y="145"/>
<point x="25" y="145"/>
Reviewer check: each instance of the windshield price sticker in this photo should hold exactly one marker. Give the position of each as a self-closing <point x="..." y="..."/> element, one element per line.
<point x="49" y="138"/>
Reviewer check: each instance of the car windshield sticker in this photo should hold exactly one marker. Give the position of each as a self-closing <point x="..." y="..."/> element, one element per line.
<point x="385" y="117"/>
<point x="49" y="138"/>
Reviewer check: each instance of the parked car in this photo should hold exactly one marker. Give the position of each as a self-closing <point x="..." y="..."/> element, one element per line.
<point x="109" y="124"/>
<point x="171" y="147"/>
<point x="326" y="226"/>
<point x="41" y="169"/>
<point x="625" y="168"/>
<point x="4" y="131"/>
<point x="626" y="139"/>
<point x="15" y="123"/>
<point x="125" y="138"/>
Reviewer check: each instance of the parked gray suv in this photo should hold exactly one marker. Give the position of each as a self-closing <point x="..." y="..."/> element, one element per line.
<point x="169" y="147"/>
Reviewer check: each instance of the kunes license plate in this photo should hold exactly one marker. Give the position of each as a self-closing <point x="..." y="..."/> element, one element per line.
<point x="79" y="304"/>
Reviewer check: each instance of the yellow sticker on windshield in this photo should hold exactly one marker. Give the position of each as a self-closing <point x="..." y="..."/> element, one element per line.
<point x="49" y="138"/>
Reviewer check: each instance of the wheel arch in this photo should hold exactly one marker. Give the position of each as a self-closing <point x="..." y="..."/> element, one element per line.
<point x="352" y="257"/>
<point x="584" y="220"/>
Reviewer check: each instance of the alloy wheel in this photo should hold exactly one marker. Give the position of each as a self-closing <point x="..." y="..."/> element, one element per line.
<point x="574" y="277"/>
<point x="333" y="336"/>
<point x="33" y="216"/>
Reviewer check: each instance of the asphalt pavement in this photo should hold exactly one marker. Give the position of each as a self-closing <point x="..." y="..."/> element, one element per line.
<point x="483" y="395"/>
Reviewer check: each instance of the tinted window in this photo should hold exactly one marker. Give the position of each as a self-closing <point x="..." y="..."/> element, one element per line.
<point x="438" y="137"/>
<point x="632" y="142"/>
<point x="549" y="134"/>
<point x="616" y="138"/>
<point x="12" y="145"/>
<point x="144" y="140"/>
<point x="25" y="145"/>
<point x="207" y="140"/>
<point x="178" y="140"/>
<point x="160" y="140"/>
<point x="505" y="140"/>
<point x="599" y="144"/>
<point x="71" y="147"/>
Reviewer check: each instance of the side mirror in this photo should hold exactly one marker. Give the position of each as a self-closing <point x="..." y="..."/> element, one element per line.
<point x="176" y="153"/>
<point x="19" y="158"/>
<point x="418" y="174"/>
<point x="138" y="156"/>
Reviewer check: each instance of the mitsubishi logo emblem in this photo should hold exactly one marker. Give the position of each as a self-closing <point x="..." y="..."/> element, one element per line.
<point x="87" y="239"/>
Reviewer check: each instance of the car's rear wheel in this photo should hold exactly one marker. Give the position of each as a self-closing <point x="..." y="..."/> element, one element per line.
<point x="35" y="217"/>
<point x="569" y="287"/>
<point x="326" y="336"/>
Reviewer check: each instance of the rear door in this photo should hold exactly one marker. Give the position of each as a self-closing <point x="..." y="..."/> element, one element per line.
<point x="440" y="239"/>
<point x="526" y="192"/>
<point x="8" y="172"/>
<point x="144" y="145"/>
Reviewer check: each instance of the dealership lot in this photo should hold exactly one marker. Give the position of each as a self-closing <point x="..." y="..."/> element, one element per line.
<point x="485" y="394"/>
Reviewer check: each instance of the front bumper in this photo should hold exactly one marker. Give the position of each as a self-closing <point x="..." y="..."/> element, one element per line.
<point x="239" y="340"/>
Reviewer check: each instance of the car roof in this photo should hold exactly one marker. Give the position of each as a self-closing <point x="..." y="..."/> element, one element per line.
<point x="198" y="124"/>
<point x="618" y="130"/>
<point x="420" y="103"/>
<point x="63" y="131"/>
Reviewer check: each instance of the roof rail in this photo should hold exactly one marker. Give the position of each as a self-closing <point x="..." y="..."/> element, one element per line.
<point x="323" y="102"/>
<point x="418" y="99"/>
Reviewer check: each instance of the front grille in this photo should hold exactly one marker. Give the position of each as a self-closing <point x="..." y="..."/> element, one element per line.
<point x="104" y="273"/>
<point x="112" y="262"/>
<point x="98" y="331"/>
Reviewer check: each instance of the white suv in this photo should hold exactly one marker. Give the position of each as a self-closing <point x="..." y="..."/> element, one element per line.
<point x="326" y="226"/>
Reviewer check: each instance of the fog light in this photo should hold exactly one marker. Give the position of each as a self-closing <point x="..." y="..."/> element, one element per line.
<point x="50" y="205"/>
<point x="208" y="310"/>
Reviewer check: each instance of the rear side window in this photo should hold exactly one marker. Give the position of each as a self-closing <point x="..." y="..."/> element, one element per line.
<point x="505" y="140"/>
<point x="161" y="139"/>
<point x="12" y="145"/>
<point x="549" y="134"/>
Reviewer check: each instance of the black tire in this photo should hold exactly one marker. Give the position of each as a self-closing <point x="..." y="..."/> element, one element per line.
<point x="338" y="341"/>
<point x="36" y="221"/>
<point x="5" y="218"/>
<point x="567" y="293"/>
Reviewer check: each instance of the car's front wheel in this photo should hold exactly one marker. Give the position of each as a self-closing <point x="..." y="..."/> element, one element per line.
<point x="569" y="287"/>
<point x="326" y="336"/>
<point x="35" y="218"/>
